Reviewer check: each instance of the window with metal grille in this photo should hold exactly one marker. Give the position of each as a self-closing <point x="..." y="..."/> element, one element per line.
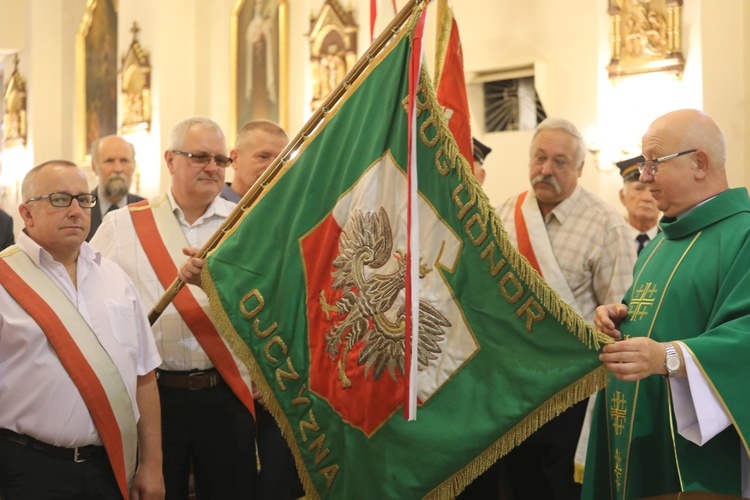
<point x="512" y="105"/>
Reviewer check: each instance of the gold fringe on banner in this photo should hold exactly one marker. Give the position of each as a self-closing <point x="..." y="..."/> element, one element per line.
<point x="448" y="159"/>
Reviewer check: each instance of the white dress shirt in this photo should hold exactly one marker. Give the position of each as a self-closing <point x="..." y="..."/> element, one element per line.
<point x="37" y="396"/>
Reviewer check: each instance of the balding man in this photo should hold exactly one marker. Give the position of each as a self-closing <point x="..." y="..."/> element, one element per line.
<point x="113" y="161"/>
<point x="79" y="405"/>
<point x="675" y="414"/>
<point x="258" y="143"/>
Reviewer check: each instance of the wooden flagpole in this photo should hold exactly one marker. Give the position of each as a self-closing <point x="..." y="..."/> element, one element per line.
<point x="299" y="140"/>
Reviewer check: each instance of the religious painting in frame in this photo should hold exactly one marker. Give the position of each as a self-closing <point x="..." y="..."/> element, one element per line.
<point x="96" y="73"/>
<point x="259" y="62"/>
<point x="645" y="36"/>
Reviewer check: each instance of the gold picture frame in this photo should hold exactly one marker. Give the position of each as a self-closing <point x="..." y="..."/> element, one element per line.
<point x="333" y="49"/>
<point x="96" y="73"/>
<point x="135" y="77"/>
<point x="15" y="109"/>
<point x="645" y="37"/>
<point x="259" y="74"/>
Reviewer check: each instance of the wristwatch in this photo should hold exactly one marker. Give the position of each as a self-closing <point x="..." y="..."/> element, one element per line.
<point x="672" y="362"/>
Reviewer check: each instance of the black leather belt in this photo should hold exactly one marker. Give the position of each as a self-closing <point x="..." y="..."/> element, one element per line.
<point x="79" y="454"/>
<point x="194" y="380"/>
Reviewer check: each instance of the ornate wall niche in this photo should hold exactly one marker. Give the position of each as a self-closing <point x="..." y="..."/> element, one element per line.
<point x="135" y="77"/>
<point x="333" y="49"/>
<point x="645" y="37"/>
<point x="15" y="108"/>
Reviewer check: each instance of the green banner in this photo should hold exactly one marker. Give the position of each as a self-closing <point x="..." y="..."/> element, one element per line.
<point x="308" y="289"/>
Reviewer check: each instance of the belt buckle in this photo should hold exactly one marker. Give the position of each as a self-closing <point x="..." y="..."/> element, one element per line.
<point x="76" y="457"/>
<point x="194" y="383"/>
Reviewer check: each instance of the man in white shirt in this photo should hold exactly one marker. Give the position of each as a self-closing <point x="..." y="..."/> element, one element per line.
<point x="206" y="396"/>
<point x="79" y="407"/>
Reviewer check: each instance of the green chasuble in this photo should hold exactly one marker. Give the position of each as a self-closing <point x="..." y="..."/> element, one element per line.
<point x="692" y="284"/>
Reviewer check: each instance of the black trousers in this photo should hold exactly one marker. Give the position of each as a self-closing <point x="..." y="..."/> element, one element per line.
<point x="278" y="478"/>
<point x="542" y="466"/>
<point x="27" y="473"/>
<point x="212" y="430"/>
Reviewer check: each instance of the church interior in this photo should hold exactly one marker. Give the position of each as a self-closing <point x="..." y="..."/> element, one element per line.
<point x="76" y="70"/>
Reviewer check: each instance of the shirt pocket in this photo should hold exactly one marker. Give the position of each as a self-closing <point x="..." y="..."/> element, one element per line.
<point x="121" y="313"/>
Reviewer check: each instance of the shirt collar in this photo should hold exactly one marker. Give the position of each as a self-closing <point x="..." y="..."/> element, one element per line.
<point x="563" y="209"/>
<point x="42" y="258"/>
<point x="218" y="207"/>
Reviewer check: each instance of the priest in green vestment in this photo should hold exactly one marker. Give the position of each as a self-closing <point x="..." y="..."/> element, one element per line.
<point x="675" y="415"/>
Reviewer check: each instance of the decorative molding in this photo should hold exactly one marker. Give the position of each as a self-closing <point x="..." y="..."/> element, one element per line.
<point x="15" y="109"/>
<point x="645" y="37"/>
<point x="333" y="49"/>
<point x="135" y="78"/>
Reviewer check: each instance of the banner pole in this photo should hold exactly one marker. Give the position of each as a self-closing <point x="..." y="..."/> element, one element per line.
<point x="297" y="142"/>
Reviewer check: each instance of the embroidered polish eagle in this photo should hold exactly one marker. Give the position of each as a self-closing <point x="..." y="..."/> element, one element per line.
<point x="365" y="245"/>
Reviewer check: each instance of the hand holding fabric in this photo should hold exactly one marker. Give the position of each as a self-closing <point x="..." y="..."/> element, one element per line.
<point x="608" y="318"/>
<point x="190" y="271"/>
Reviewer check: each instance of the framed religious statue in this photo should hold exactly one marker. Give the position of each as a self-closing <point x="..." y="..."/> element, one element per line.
<point x="259" y="62"/>
<point x="645" y="37"/>
<point x="135" y="77"/>
<point x="96" y="73"/>
<point x="15" y="108"/>
<point x="333" y="49"/>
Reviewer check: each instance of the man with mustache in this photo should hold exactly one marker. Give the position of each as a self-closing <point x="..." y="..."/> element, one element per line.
<point x="581" y="246"/>
<point x="113" y="161"/>
<point x="205" y="392"/>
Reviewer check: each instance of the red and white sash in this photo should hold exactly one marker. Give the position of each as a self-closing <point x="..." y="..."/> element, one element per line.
<point x="532" y="241"/>
<point x="534" y="244"/>
<point x="90" y="367"/>
<point x="155" y="224"/>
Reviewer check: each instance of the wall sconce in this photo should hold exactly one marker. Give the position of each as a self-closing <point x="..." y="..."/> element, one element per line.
<point x="602" y="162"/>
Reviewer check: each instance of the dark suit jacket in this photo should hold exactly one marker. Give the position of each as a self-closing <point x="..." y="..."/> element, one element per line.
<point x="96" y="213"/>
<point x="6" y="230"/>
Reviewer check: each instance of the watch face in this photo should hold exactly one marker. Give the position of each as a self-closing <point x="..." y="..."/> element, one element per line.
<point x="673" y="363"/>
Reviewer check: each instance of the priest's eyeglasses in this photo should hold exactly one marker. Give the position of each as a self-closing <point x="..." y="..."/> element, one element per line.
<point x="203" y="159"/>
<point x="85" y="200"/>
<point x="652" y="166"/>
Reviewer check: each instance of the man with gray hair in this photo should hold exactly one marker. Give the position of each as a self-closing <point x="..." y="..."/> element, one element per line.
<point x="113" y="162"/>
<point x="205" y="391"/>
<point x="581" y="246"/>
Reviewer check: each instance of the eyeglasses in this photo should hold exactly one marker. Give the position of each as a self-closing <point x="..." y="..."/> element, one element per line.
<point x="85" y="200"/>
<point x="203" y="159"/>
<point x="652" y="166"/>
